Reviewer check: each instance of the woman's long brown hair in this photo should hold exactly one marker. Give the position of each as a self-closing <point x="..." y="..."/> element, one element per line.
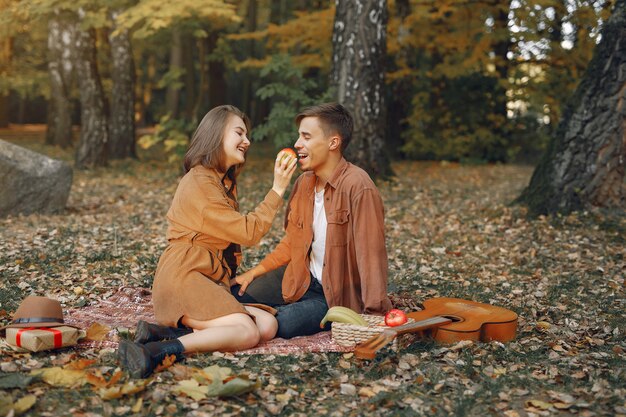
<point x="206" y="143"/>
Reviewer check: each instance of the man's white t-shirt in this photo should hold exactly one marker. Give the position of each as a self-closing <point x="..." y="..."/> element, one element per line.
<point x="318" y="248"/>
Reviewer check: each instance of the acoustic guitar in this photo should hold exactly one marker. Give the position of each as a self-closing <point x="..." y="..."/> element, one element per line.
<point x="449" y="320"/>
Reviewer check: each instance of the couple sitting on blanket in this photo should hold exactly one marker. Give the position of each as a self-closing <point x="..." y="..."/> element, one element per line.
<point x="333" y="252"/>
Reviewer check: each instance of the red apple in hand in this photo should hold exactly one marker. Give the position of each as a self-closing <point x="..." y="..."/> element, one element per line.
<point x="395" y="317"/>
<point x="286" y="153"/>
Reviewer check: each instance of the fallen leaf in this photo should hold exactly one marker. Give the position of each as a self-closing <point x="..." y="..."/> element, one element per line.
<point x="9" y="407"/>
<point x="214" y="373"/>
<point x="97" y="332"/>
<point x="192" y="389"/>
<point x="61" y="377"/>
<point x="543" y="325"/>
<point x="118" y="391"/>
<point x="542" y="405"/>
<point x="366" y="392"/>
<point x="462" y="344"/>
<point x="168" y="361"/>
<point x="80" y="364"/>
<point x="137" y="407"/>
<point x="181" y="371"/>
<point x="283" y="398"/>
<point x="232" y="388"/>
<point x="98" y="380"/>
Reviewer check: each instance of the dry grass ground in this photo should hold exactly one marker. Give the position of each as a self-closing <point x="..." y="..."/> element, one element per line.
<point x="451" y="231"/>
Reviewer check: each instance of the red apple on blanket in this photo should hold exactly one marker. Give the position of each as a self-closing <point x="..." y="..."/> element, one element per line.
<point x="395" y="317"/>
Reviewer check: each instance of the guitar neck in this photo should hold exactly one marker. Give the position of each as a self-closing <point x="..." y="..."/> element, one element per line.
<point x="421" y="325"/>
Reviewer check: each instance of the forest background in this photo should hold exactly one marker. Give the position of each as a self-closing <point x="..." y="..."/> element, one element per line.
<point x="468" y="85"/>
<point x="469" y="81"/>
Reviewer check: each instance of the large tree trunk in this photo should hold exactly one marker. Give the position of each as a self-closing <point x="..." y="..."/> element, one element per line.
<point x="6" y="54"/>
<point x="122" y="125"/>
<point x="61" y="33"/>
<point x="94" y="135"/>
<point x="584" y="164"/>
<point x="359" y="49"/>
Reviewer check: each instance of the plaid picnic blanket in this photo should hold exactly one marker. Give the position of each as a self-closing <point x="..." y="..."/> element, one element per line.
<point x="128" y="305"/>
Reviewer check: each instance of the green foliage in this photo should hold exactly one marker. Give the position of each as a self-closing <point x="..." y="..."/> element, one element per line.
<point x="172" y="78"/>
<point x="290" y="91"/>
<point x="447" y="61"/>
<point x="172" y="134"/>
<point x="151" y="16"/>
<point x="454" y="119"/>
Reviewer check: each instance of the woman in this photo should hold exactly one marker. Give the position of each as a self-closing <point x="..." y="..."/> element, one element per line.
<point x="191" y="290"/>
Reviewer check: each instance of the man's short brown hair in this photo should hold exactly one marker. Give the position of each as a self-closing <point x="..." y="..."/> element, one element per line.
<point x="334" y="118"/>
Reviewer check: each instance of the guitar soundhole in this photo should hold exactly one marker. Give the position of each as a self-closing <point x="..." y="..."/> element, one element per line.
<point x="454" y="319"/>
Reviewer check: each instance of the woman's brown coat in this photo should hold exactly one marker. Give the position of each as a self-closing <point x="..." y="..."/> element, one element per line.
<point x="192" y="278"/>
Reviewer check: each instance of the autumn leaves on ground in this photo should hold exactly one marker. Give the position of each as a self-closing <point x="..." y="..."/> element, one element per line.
<point x="451" y="231"/>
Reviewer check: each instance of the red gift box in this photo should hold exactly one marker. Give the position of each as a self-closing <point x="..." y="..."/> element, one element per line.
<point x="37" y="339"/>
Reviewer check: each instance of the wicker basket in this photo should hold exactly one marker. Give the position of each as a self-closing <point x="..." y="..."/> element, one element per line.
<point x="345" y="334"/>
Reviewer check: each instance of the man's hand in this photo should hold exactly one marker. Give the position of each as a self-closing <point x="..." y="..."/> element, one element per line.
<point x="244" y="280"/>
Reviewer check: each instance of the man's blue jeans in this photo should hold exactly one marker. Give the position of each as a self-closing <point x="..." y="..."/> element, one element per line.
<point x="301" y="318"/>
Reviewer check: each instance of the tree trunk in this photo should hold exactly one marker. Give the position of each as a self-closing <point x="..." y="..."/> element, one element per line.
<point x="172" y="95"/>
<point x="502" y="47"/>
<point x="61" y="33"/>
<point x="94" y="135"/>
<point x="203" y="85"/>
<point x="122" y="122"/>
<point x="217" y="82"/>
<point x="146" y="83"/>
<point x="4" y="110"/>
<point x="6" y="54"/>
<point x="359" y="49"/>
<point x="584" y="163"/>
<point x="247" y="84"/>
<point x="400" y="91"/>
<point x="191" y="86"/>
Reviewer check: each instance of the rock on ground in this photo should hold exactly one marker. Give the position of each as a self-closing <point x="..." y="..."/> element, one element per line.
<point x="31" y="182"/>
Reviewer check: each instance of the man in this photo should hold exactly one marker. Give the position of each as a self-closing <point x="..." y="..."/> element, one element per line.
<point x="333" y="252"/>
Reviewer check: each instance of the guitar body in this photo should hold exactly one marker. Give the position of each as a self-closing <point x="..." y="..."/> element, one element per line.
<point x="470" y="320"/>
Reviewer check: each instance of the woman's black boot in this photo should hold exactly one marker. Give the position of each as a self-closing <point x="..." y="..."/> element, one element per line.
<point x="148" y="332"/>
<point x="141" y="360"/>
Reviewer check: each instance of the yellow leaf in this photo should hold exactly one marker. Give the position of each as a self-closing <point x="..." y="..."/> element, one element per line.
<point x="542" y="325"/>
<point x="24" y="404"/>
<point x="60" y="377"/>
<point x="542" y="405"/>
<point x="137" y="407"/>
<point x="283" y="398"/>
<point x="97" y="332"/>
<point x="118" y="391"/>
<point x="192" y="389"/>
<point x="215" y="373"/>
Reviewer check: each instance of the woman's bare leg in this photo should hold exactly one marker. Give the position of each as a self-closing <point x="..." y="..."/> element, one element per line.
<point x="232" y="332"/>
<point x="266" y="322"/>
